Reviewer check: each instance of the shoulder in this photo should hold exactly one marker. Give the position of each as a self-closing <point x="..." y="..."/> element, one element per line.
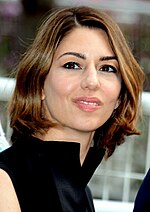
<point x="8" y="198"/>
<point x="11" y="155"/>
<point x="7" y="158"/>
<point x="142" y="200"/>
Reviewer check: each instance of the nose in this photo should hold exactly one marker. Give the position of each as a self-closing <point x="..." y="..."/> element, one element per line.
<point x="90" y="79"/>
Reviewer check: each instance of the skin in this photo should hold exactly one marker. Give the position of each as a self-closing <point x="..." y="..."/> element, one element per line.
<point x="79" y="93"/>
<point x="8" y="198"/>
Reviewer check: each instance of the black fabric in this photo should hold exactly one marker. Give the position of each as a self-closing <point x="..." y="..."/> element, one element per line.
<point x="90" y="199"/>
<point x="47" y="176"/>
<point x="142" y="201"/>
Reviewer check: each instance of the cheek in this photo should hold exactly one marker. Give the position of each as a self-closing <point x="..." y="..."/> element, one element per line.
<point x="113" y="91"/>
<point x="62" y="86"/>
<point x="61" y="90"/>
<point x="57" y="86"/>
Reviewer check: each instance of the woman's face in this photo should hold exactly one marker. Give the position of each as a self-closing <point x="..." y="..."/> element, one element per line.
<point x="83" y="84"/>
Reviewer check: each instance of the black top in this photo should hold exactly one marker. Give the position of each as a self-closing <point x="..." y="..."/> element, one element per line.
<point x="142" y="201"/>
<point x="47" y="176"/>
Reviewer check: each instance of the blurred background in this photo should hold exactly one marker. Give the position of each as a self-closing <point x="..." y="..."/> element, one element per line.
<point x="118" y="179"/>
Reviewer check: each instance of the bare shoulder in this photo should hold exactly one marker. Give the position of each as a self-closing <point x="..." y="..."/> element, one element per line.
<point x="8" y="198"/>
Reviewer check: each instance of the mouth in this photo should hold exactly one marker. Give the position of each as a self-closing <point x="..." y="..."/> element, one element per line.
<point x="88" y="104"/>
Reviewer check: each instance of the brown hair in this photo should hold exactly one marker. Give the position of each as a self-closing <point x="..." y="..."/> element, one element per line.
<point x="25" y="108"/>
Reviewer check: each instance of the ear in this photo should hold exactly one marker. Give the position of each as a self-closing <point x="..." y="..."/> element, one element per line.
<point x="43" y="95"/>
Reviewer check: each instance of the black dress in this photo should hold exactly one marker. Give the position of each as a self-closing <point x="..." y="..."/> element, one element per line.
<point x="47" y="176"/>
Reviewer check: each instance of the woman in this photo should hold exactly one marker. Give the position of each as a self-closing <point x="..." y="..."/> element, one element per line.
<point x="77" y="94"/>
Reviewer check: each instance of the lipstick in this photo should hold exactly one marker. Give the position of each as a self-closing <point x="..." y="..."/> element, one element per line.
<point x="88" y="104"/>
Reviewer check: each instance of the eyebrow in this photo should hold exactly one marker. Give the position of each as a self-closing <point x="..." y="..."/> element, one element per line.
<point x="105" y="58"/>
<point x="82" y="56"/>
<point x="76" y="54"/>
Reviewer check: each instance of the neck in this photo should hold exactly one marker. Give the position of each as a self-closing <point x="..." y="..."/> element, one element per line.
<point x="70" y="135"/>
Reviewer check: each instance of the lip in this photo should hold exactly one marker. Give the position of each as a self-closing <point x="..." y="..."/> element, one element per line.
<point x="88" y="104"/>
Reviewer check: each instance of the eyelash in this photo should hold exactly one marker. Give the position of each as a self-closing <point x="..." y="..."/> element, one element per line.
<point x="103" y="68"/>
<point x="71" y="65"/>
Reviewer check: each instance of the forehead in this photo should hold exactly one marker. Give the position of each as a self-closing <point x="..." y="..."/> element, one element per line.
<point x="86" y="40"/>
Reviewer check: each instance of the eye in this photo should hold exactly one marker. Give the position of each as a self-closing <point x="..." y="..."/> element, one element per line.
<point x="72" y="65"/>
<point x="108" y="68"/>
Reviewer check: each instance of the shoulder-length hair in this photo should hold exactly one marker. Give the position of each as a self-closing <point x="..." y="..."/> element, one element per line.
<point x="25" y="108"/>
